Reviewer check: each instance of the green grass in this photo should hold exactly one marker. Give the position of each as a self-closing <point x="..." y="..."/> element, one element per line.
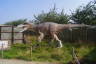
<point x="45" y="52"/>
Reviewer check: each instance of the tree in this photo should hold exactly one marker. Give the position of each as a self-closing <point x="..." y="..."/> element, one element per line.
<point x="16" y="22"/>
<point x="52" y="16"/>
<point x="85" y="14"/>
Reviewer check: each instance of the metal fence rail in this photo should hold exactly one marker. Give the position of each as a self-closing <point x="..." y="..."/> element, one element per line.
<point x="10" y="34"/>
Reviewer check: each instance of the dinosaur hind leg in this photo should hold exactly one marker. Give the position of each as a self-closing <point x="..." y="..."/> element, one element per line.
<point x="55" y="37"/>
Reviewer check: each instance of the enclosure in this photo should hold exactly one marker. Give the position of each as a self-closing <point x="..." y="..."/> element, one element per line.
<point x="13" y="35"/>
<point x="82" y="39"/>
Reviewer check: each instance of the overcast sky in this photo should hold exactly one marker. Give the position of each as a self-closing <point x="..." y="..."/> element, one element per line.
<point x="20" y="9"/>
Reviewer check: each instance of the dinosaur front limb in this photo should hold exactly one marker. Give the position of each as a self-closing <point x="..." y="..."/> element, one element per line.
<point x="40" y="37"/>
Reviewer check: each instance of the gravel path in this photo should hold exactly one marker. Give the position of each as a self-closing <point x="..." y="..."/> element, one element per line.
<point x="14" y="61"/>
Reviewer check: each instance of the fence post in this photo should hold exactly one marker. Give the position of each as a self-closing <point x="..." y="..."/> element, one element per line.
<point x="71" y="36"/>
<point x="2" y="50"/>
<point x="0" y="32"/>
<point x="12" y="37"/>
<point x="23" y="36"/>
<point x="31" y="52"/>
<point x="86" y="36"/>
<point x="75" y="59"/>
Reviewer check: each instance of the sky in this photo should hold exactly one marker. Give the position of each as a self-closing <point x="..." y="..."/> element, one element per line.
<point x="11" y="10"/>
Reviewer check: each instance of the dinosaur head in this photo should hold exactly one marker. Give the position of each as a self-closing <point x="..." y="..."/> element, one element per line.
<point x="25" y="26"/>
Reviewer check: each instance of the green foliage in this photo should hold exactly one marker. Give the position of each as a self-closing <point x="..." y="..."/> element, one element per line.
<point x="16" y="22"/>
<point x="85" y="14"/>
<point x="44" y="52"/>
<point x="52" y="16"/>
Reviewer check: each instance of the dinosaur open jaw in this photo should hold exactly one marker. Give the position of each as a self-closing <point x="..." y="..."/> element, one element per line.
<point x="22" y="27"/>
<point x="24" y="30"/>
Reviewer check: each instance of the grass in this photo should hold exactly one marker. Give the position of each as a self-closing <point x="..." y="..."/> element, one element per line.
<point x="45" y="52"/>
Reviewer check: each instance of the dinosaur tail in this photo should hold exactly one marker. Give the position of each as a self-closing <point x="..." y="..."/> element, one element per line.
<point x="77" y="25"/>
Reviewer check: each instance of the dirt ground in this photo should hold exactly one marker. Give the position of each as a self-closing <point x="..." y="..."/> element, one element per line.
<point x="15" y="61"/>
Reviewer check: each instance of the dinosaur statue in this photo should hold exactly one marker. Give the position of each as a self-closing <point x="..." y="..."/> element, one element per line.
<point x="49" y="28"/>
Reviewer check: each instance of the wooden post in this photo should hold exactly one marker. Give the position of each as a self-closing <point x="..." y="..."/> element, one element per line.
<point x="12" y="35"/>
<point x="75" y="59"/>
<point x="71" y="35"/>
<point x="0" y="32"/>
<point x="23" y="40"/>
<point x="2" y="51"/>
<point x="86" y="35"/>
<point x="30" y="52"/>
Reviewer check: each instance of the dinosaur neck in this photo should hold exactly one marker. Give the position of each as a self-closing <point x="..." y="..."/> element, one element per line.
<point x="32" y="27"/>
<point x="35" y="28"/>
